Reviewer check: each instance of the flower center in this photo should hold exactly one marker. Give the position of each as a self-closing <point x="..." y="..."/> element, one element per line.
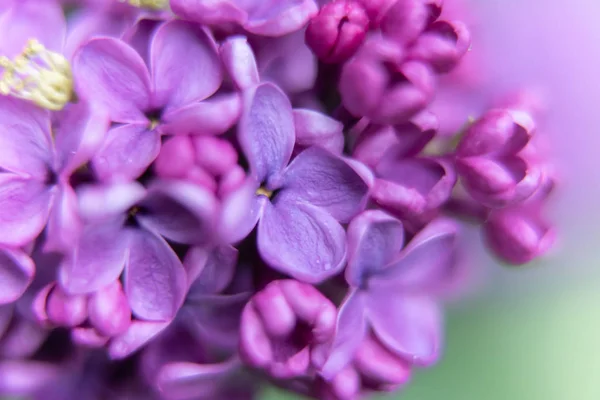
<point x="261" y="191"/>
<point x="38" y="75"/>
<point x="151" y="4"/>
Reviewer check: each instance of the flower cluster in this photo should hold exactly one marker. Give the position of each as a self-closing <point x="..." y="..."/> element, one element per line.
<point x="200" y="195"/>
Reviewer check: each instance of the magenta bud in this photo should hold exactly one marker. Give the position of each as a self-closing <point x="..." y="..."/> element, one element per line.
<point x="379" y="368"/>
<point x="494" y="160"/>
<point x="200" y="176"/>
<point x="282" y="325"/>
<point x="109" y="310"/>
<point x="405" y="20"/>
<point x="66" y="310"/>
<point x="214" y="155"/>
<point x="442" y="45"/>
<point x="517" y="236"/>
<point x="337" y="31"/>
<point x="232" y="180"/>
<point x="176" y="157"/>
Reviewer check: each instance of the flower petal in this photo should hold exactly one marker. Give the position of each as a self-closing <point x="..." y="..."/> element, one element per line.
<point x="374" y="239"/>
<point x="324" y="180"/>
<point x="277" y="18"/>
<point x="138" y="334"/>
<point x="16" y="273"/>
<point x="64" y="225"/>
<point x="315" y="128"/>
<point x="410" y="326"/>
<point x="350" y="332"/>
<point x="209" y="272"/>
<point x="179" y="211"/>
<point x="155" y="280"/>
<point x="209" y="12"/>
<point x="240" y="211"/>
<point x="301" y="240"/>
<point x="266" y="131"/>
<point x="185" y="64"/>
<point x="239" y="60"/>
<point x="127" y="151"/>
<point x="426" y="262"/>
<point x="25" y="207"/>
<point x="26" y="377"/>
<point x="211" y="117"/>
<point x="25" y="142"/>
<point x="96" y="261"/>
<point x="108" y="202"/>
<point x="113" y="76"/>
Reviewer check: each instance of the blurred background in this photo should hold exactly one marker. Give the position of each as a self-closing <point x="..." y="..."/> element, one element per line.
<point x="533" y="332"/>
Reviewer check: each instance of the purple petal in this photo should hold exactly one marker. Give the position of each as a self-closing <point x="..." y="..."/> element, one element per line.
<point x="210" y="117"/>
<point x="6" y="314"/>
<point x="350" y="332"/>
<point x="31" y="19"/>
<point x="25" y="377"/>
<point x="64" y="225"/>
<point x="408" y="325"/>
<point x="25" y="141"/>
<point x="96" y="261"/>
<point x="301" y="240"/>
<point x="78" y="133"/>
<point x="155" y="280"/>
<point x="240" y="211"/>
<point x="88" y="337"/>
<point x="108" y="202"/>
<point x="179" y="211"/>
<point x="16" y="273"/>
<point x="127" y="151"/>
<point x="185" y="64"/>
<point x="315" y="128"/>
<point x="25" y="207"/>
<point x="108" y="310"/>
<point x="266" y="131"/>
<point x="138" y="334"/>
<point x="114" y="77"/>
<point x="209" y="12"/>
<point x="324" y="180"/>
<point x="277" y="18"/>
<point x="22" y="339"/>
<point x="239" y="60"/>
<point x="426" y="262"/>
<point x="209" y="272"/>
<point x="374" y="239"/>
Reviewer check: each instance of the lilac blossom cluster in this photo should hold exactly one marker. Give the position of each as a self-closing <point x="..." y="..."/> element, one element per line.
<point x="199" y="196"/>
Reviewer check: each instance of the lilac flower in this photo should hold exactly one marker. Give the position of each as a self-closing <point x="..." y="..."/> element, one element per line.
<point x="267" y="18"/>
<point x="297" y="206"/>
<point x="124" y="233"/>
<point x="283" y="326"/>
<point x="117" y="80"/>
<point x="34" y="182"/>
<point x="493" y="158"/>
<point x="392" y="290"/>
<point x="337" y="31"/>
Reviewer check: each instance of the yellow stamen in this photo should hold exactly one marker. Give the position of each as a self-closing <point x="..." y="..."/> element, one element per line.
<point x="264" y="192"/>
<point x="38" y="75"/>
<point x="151" y="4"/>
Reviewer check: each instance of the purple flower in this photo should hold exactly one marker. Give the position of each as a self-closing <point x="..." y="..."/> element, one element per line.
<point x="283" y="326"/>
<point x="495" y="163"/>
<point x="392" y="290"/>
<point x="337" y="31"/>
<point x="267" y="18"/>
<point x="36" y="162"/>
<point x="298" y="206"/>
<point x="146" y="105"/>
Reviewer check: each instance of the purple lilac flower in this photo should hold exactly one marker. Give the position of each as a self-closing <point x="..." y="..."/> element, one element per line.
<point x="168" y="100"/>
<point x="298" y="207"/>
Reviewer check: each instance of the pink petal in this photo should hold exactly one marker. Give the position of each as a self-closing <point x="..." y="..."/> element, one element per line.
<point x="277" y="18"/>
<point x="239" y="60"/>
<point x="16" y="273"/>
<point x="138" y="334"/>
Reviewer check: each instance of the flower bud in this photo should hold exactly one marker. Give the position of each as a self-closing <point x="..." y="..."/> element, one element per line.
<point x="214" y="155"/>
<point x="176" y="158"/>
<point x="405" y="20"/>
<point x="380" y="368"/>
<point x="442" y="45"/>
<point x="337" y="31"/>
<point x="109" y="311"/>
<point x="64" y="309"/>
<point x="282" y="325"/>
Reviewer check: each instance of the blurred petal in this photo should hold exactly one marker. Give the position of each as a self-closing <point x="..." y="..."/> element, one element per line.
<point x="16" y="273"/>
<point x="126" y="153"/>
<point x="409" y="326"/>
<point x="138" y="334"/>
<point x="114" y="78"/>
<point x="179" y="211"/>
<point x="277" y="18"/>
<point x="326" y="181"/>
<point x="25" y="377"/>
<point x="102" y="202"/>
<point x="64" y="225"/>
<point x="210" y="271"/>
<point x="25" y="207"/>
<point x="239" y="60"/>
<point x="301" y="240"/>
<point x="155" y="281"/>
<point x="315" y="128"/>
<point x="108" y="310"/>
<point x="185" y="64"/>
<point x="209" y="12"/>
<point x="266" y="131"/>
<point x="374" y="239"/>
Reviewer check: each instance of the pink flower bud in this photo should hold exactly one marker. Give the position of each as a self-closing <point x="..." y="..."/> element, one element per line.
<point x="442" y="45"/>
<point x="405" y="20"/>
<point x="64" y="309"/>
<point x="337" y="31"/>
<point x="215" y="155"/>
<point x="176" y="157"/>
<point x="109" y="311"/>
